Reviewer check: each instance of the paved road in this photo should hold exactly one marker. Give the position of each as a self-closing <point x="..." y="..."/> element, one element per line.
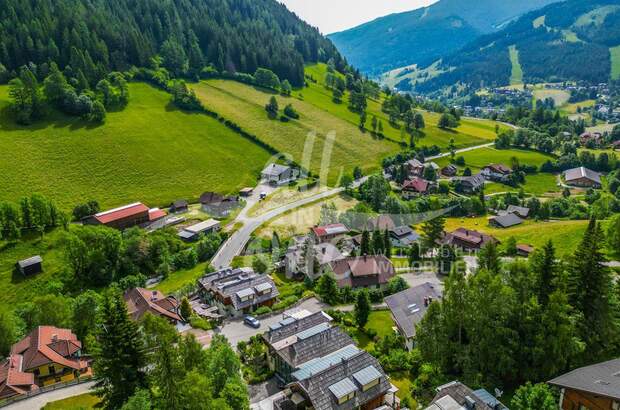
<point x="458" y="151"/>
<point x="237" y="241"/>
<point x="37" y="402"/>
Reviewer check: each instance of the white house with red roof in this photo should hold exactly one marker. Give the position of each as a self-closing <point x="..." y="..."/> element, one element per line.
<point x="329" y="232"/>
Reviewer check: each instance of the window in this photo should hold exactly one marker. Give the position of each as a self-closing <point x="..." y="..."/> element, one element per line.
<point x="36" y="372"/>
<point x="346" y="398"/>
<point x="51" y="370"/>
<point x="615" y="405"/>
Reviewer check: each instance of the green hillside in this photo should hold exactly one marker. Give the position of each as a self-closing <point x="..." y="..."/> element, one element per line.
<point x="150" y="152"/>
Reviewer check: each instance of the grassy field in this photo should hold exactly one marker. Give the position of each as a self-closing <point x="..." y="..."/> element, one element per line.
<point x="84" y="401"/>
<point x="516" y="77"/>
<point x="572" y="108"/>
<point x="566" y="235"/>
<point x="540" y="184"/>
<point x="16" y="288"/>
<point x="560" y="97"/>
<point x="615" y="62"/>
<point x="477" y="159"/>
<point x="150" y="152"/>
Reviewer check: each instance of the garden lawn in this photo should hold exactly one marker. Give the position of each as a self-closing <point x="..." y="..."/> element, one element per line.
<point x="479" y="158"/>
<point x="17" y="288"/>
<point x="538" y="184"/>
<point x="381" y="322"/>
<point x="566" y="235"/>
<point x="85" y="401"/>
<point x="150" y="151"/>
<point x="179" y="279"/>
<point x="615" y="62"/>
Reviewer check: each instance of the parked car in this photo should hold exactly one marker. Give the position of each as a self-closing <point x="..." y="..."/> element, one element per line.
<point x="252" y="322"/>
<point x="263" y="195"/>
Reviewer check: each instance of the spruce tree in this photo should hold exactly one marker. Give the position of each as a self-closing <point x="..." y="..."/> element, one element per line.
<point x="544" y="266"/>
<point x="387" y="243"/>
<point x="362" y="308"/>
<point x="365" y="243"/>
<point x="378" y="246"/>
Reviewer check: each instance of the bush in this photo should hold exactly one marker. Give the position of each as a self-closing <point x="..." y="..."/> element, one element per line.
<point x="198" y="322"/>
<point x="263" y="310"/>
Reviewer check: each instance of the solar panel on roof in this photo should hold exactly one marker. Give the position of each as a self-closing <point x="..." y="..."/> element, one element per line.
<point x="342" y="388"/>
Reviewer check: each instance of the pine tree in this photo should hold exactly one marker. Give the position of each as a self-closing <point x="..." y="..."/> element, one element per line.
<point x="432" y="230"/>
<point x="365" y="243"/>
<point x="119" y="355"/>
<point x="378" y="245"/>
<point x="387" y="243"/>
<point x="362" y="308"/>
<point x="544" y="266"/>
<point x="488" y="258"/>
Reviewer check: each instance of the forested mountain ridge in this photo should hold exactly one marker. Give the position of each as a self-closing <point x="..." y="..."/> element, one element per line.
<point x="424" y="35"/>
<point x="99" y="36"/>
<point x="563" y="41"/>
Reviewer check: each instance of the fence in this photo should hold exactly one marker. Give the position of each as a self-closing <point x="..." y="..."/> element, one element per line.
<point x="45" y="389"/>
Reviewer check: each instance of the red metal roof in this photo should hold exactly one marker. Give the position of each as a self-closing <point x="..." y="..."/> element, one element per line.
<point x="416" y="184"/>
<point x="155" y="214"/>
<point x="121" y="213"/>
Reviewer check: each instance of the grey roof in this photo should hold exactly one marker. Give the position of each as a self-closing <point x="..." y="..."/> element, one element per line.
<point x="519" y="210"/>
<point x="507" y="220"/>
<point x="582" y="172"/>
<point x="601" y="379"/>
<point x="186" y="235"/>
<point x="262" y="287"/>
<point x="275" y="169"/>
<point x="366" y="375"/>
<point x="320" y="364"/>
<point x="456" y="393"/>
<point x="238" y="283"/>
<point x="473" y="180"/>
<point x="30" y="261"/>
<point x="317" y="386"/>
<point x="402" y="231"/>
<point x="408" y="306"/>
<point x="291" y="326"/>
<point x="318" y="341"/>
<point x="343" y="388"/>
<point x="489" y="399"/>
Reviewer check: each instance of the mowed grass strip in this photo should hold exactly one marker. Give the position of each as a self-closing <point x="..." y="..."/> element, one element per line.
<point x="245" y="104"/>
<point x="470" y="132"/>
<point x="516" y="76"/>
<point x="150" y="152"/>
<point x="479" y="158"/>
<point x="615" y="62"/>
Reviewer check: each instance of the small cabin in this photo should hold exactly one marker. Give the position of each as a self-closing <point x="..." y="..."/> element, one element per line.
<point x="30" y="266"/>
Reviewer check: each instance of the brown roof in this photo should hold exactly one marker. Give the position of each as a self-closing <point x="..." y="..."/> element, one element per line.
<point x="499" y="168"/>
<point x="525" y="248"/>
<point x="363" y="270"/>
<point x="208" y="198"/>
<point x="472" y="238"/>
<point x="140" y="300"/>
<point x="49" y="344"/>
<point x="416" y="184"/>
<point x="13" y="380"/>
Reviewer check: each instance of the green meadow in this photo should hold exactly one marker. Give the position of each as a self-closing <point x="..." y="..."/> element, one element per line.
<point x="615" y="62"/>
<point x="516" y="76"/>
<point x="150" y="151"/>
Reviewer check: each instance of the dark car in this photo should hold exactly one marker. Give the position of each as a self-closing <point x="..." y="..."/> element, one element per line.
<point x="251" y="321"/>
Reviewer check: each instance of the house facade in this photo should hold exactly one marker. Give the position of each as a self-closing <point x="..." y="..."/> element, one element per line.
<point x="373" y="272"/>
<point x="582" y="177"/>
<point x="496" y="172"/>
<point x="140" y="301"/>
<point x="276" y="174"/>
<point x="470" y="184"/>
<point x="218" y="205"/>
<point x="322" y="255"/>
<point x="121" y="218"/>
<point x="468" y="239"/>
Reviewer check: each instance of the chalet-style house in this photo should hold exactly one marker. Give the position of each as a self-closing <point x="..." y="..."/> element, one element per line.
<point x="121" y="218"/>
<point x="496" y="172"/>
<point x="30" y="266"/>
<point x="238" y="291"/>
<point x="140" y="301"/>
<point x="416" y="186"/>
<point x="178" y="206"/>
<point x="363" y="271"/>
<point x="218" y="205"/>
<point x="409" y="307"/>
<point x="403" y="236"/>
<point x="457" y="396"/>
<point x="193" y="232"/>
<point x="467" y="239"/>
<point x="329" y="233"/>
<point x="520" y="211"/>
<point x="323" y="254"/>
<point x="591" y="387"/>
<point x="276" y="174"/>
<point x="505" y="221"/>
<point x="589" y="138"/>
<point x="615" y="145"/>
<point x="524" y="250"/>
<point x="414" y="168"/>
<point x="322" y="367"/>
<point x="449" y="170"/>
<point x="48" y="355"/>
<point x="470" y="184"/>
<point x="582" y="177"/>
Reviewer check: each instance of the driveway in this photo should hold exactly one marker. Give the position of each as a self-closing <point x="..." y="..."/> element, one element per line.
<point x="419" y="278"/>
<point x="38" y="402"/>
<point x="235" y="331"/>
<point x="458" y="151"/>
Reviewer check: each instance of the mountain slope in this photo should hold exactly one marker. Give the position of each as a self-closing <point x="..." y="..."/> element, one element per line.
<point x="97" y="36"/>
<point x="422" y="36"/>
<point x="563" y="41"/>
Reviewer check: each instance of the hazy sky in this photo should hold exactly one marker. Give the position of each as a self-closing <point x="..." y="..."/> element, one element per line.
<point x="337" y="15"/>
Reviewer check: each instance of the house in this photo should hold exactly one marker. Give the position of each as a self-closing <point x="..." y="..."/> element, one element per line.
<point x="403" y="236"/>
<point x="467" y="239"/>
<point x="329" y="233"/>
<point x="218" y="205"/>
<point x="591" y="387"/>
<point x="238" y="291"/>
<point x="615" y="145"/>
<point x="276" y="174"/>
<point x="505" y="220"/>
<point x="414" y="168"/>
<point x="178" y="206"/>
<point x="520" y="211"/>
<point x="363" y="271"/>
<point x="380" y="223"/>
<point x="52" y="355"/>
<point x="30" y="266"/>
<point x="524" y="250"/>
<point x="323" y="254"/>
<point x="496" y="172"/>
<point x="590" y="138"/>
<point x="416" y="186"/>
<point x="13" y="380"/>
<point x="156" y="214"/>
<point x="246" y="192"/>
<point x="140" y="301"/>
<point x="582" y="177"/>
<point x="457" y="396"/>
<point x="121" y="218"/>
<point x="193" y="232"/>
<point x="409" y="307"/>
<point x="449" y="171"/>
<point x="470" y="184"/>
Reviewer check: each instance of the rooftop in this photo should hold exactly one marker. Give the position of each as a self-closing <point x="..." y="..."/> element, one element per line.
<point x="582" y="172"/>
<point x="409" y="306"/>
<point x="121" y="212"/>
<point x="602" y="379"/>
<point x="507" y="220"/>
<point x="238" y="284"/>
<point x="275" y="169"/>
<point x="332" y="229"/>
<point x="30" y="261"/>
<point x="202" y="226"/>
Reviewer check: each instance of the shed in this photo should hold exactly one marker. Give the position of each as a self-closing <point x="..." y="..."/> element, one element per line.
<point x="30" y="266"/>
<point x="245" y="192"/>
<point x="180" y="205"/>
